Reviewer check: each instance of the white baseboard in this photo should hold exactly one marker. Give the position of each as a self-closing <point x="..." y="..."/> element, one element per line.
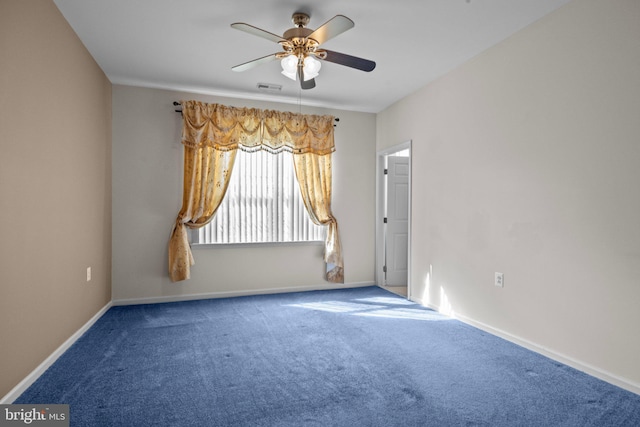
<point x="35" y="374"/>
<point x="241" y="293"/>
<point x="558" y="357"/>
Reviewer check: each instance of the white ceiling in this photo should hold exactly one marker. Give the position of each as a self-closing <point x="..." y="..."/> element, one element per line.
<point x="189" y="44"/>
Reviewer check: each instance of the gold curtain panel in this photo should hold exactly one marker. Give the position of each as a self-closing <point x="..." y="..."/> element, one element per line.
<point x="212" y="134"/>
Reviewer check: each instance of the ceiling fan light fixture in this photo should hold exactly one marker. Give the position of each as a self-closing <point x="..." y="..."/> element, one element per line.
<point x="311" y="68"/>
<point x="289" y="66"/>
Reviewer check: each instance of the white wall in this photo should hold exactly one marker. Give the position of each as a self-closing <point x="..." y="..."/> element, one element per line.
<point x="526" y="161"/>
<point x="147" y="195"/>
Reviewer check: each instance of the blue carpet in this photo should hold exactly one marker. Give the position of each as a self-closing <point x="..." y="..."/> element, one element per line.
<point x="349" y="357"/>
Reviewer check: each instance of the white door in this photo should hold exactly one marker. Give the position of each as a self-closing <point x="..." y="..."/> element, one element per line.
<point x="397" y="221"/>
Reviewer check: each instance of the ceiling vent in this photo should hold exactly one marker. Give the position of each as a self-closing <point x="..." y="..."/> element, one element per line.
<point x="269" y="87"/>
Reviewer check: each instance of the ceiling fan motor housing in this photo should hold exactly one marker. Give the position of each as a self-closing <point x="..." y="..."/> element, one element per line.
<point x="297" y="42"/>
<point x="298" y="32"/>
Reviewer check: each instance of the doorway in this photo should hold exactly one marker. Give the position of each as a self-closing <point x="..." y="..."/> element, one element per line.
<point x="393" y="219"/>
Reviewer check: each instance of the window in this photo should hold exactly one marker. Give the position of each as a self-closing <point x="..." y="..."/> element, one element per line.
<point x="262" y="204"/>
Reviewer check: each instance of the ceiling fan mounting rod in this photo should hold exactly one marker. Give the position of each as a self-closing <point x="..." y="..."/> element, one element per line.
<point x="300" y="20"/>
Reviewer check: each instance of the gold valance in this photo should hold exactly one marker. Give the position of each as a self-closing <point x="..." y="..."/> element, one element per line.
<point x="250" y="129"/>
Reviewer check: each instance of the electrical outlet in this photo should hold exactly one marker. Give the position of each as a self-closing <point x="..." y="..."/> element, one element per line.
<point x="499" y="280"/>
<point x="88" y="274"/>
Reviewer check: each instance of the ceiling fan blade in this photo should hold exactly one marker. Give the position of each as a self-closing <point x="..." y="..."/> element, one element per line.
<point x="333" y="27"/>
<point x="349" y="61"/>
<point x="257" y="32"/>
<point x="254" y="63"/>
<point x="308" y="84"/>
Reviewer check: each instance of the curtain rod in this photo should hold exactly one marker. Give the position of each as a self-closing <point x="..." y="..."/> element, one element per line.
<point x="176" y="103"/>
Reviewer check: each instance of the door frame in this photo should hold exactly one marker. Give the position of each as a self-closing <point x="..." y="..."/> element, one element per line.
<point x="380" y="197"/>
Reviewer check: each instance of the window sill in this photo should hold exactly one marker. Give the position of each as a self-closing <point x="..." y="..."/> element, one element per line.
<point x="255" y="244"/>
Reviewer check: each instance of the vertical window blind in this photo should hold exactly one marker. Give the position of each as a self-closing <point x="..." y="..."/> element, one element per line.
<point x="262" y="204"/>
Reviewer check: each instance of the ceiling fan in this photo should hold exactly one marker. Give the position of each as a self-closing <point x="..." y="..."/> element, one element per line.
<point x="299" y="58"/>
